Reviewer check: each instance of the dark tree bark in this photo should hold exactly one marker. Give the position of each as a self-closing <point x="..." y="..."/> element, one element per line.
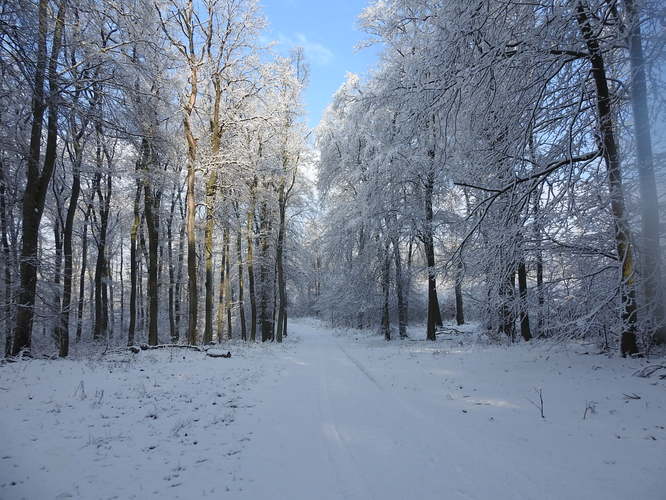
<point x="37" y="181"/>
<point x="250" y="262"/>
<point x="265" y="316"/>
<point x="131" y="331"/>
<point x="539" y="269"/>
<point x="63" y="326"/>
<point x="151" y="208"/>
<point x="121" y="275"/>
<point x="101" y="326"/>
<point x="408" y="281"/>
<point x="522" y="291"/>
<point x="434" y="314"/>
<point x="279" y="261"/>
<point x="460" y="313"/>
<point x="229" y="294"/>
<point x="82" y="276"/>
<point x="173" y="334"/>
<point x="507" y="320"/>
<point x="386" y="269"/>
<point x="179" y="274"/>
<point x="57" y="270"/>
<point x="399" y="291"/>
<point x="241" y="305"/>
<point x="7" y="262"/>
<point x="221" y="312"/>
<point x="611" y="156"/>
<point x="211" y="190"/>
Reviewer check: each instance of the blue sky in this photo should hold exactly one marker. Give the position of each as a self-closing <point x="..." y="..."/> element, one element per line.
<point x="327" y="31"/>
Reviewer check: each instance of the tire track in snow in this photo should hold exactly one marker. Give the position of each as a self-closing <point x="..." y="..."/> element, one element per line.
<point x="341" y="454"/>
<point x="358" y="365"/>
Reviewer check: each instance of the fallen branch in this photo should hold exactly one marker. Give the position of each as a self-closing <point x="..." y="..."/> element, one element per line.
<point x="647" y="371"/>
<point x="448" y="331"/>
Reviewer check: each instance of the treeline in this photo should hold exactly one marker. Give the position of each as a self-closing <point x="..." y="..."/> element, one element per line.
<point x="149" y="162"/>
<point x="505" y="149"/>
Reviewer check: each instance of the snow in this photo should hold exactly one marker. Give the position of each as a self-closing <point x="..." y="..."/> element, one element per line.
<point x="332" y="415"/>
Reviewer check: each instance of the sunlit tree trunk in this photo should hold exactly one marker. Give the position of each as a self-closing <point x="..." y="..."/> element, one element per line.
<point x="624" y="247"/>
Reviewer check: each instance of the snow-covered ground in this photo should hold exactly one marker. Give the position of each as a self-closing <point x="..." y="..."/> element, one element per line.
<point x="335" y="415"/>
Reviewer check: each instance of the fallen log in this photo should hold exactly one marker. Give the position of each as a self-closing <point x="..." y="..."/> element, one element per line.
<point x="146" y="347"/>
<point x="214" y="354"/>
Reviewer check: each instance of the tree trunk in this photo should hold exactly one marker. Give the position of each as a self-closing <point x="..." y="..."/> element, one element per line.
<point x="434" y="315"/>
<point x="101" y="327"/>
<point x="131" y="332"/>
<point x="522" y="292"/>
<point x="190" y="213"/>
<point x="250" y="263"/>
<point x="179" y="276"/>
<point x="151" y="208"/>
<point x="612" y="159"/>
<point x="460" y="313"/>
<point x="507" y="295"/>
<point x="229" y="293"/>
<point x="281" y="282"/>
<point x="539" y="267"/>
<point x="37" y="182"/>
<point x="82" y="277"/>
<point x="172" y="320"/>
<point x="57" y="274"/>
<point x="241" y="306"/>
<point x="193" y="302"/>
<point x="650" y="225"/>
<point x="7" y="264"/>
<point x="63" y="325"/>
<point x="408" y="281"/>
<point x="402" y="311"/>
<point x="121" y="274"/>
<point x="211" y="189"/>
<point x="221" y="312"/>
<point x="386" y="269"/>
<point x="265" y="321"/>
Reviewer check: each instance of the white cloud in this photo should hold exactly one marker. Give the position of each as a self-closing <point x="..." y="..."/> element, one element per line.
<point x="315" y="52"/>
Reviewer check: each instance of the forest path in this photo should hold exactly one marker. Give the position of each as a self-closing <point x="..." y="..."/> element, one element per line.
<point x="333" y="415"/>
<point x="359" y="418"/>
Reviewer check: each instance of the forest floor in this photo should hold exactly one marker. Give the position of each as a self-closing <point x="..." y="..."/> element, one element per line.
<point x="335" y="415"/>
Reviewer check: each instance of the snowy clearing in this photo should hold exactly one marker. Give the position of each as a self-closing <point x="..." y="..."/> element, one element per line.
<point x="333" y="415"/>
